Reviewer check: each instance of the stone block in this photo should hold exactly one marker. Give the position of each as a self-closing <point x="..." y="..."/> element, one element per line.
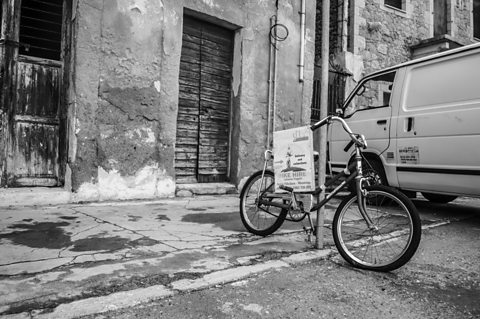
<point x="184" y="193"/>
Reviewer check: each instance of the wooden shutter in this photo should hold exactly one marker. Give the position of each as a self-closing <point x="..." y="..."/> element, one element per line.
<point x="33" y="75"/>
<point x="203" y="122"/>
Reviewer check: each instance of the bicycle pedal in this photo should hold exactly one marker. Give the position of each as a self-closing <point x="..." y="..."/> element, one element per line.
<point x="307" y="230"/>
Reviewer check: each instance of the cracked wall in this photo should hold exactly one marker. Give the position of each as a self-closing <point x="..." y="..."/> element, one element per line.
<point x="124" y="92"/>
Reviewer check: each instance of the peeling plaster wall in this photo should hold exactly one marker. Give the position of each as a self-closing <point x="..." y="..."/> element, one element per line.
<point x="292" y="97"/>
<point x="82" y="159"/>
<point x="124" y="96"/>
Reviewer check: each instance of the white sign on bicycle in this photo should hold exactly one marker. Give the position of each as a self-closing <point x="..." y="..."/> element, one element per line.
<point x="293" y="159"/>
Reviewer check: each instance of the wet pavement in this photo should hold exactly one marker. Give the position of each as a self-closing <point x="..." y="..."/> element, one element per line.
<point x="52" y="255"/>
<point x="53" y="258"/>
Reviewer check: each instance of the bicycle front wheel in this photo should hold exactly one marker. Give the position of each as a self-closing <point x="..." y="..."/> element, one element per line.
<point x="392" y="239"/>
<point x="261" y="219"/>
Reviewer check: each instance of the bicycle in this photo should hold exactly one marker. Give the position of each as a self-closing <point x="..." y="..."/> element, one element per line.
<point x="377" y="228"/>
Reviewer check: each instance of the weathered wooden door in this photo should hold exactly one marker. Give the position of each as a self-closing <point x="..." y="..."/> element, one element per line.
<point x="203" y="122"/>
<point x="32" y="74"/>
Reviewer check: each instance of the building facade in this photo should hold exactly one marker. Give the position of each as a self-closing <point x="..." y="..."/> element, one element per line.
<point x="369" y="35"/>
<point x="128" y="99"/>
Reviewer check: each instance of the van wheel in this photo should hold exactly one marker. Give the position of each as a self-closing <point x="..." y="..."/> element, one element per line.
<point x="373" y="171"/>
<point x="438" y="198"/>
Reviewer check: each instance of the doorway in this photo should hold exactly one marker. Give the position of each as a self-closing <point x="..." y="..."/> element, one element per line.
<point x="203" y="120"/>
<point x="32" y="92"/>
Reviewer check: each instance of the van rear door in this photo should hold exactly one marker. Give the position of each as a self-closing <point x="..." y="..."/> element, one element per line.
<point x="438" y="131"/>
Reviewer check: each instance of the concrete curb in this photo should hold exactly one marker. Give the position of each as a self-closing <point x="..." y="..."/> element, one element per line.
<point x="115" y="301"/>
<point x="242" y="272"/>
<point x="131" y="298"/>
<point x="226" y="276"/>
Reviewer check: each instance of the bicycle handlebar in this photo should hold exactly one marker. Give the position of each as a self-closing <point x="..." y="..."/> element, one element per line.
<point x="355" y="139"/>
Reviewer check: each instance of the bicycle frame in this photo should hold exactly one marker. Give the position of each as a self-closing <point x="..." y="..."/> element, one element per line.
<point x="354" y="171"/>
<point x="365" y="223"/>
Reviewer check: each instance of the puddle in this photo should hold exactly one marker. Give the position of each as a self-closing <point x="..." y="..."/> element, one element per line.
<point x="226" y="221"/>
<point x="110" y="243"/>
<point x="40" y="235"/>
<point x="144" y="241"/>
<point x="52" y="236"/>
<point x="100" y="243"/>
<point x="163" y="217"/>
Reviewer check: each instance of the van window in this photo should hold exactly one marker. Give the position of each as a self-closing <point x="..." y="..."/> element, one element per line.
<point x="371" y="93"/>
<point x="442" y="83"/>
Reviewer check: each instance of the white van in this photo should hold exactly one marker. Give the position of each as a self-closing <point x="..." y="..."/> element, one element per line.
<point x="421" y="120"/>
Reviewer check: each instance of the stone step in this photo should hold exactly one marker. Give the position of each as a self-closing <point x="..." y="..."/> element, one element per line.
<point x="44" y="196"/>
<point x="188" y="190"/>
<point x="31" y="196"/>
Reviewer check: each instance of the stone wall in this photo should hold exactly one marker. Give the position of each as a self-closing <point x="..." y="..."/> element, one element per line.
<point x="123" y="99"/>
<point x="335" y="30"/>
<point x="389" y="33"/>
<point x="462" y="30"/>
<point x="381" y="36"/>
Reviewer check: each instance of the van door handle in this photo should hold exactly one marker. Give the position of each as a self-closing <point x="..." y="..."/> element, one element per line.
<point x="409" y="124"/>
<point x="382" y="122"/>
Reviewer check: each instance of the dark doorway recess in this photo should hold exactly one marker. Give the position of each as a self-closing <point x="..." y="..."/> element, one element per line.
<point x="203" y="121"/>
<point x="33" y="53"/>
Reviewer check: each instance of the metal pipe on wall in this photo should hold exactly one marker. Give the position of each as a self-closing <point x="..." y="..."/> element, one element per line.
<point x="302" y="42"/>
<point x="270" y="85"/>
<point x="274" y="88"/>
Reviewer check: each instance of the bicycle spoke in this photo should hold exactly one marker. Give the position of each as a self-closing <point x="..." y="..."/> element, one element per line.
<point x="384" y="245"/>
<point x="257" y="205"/>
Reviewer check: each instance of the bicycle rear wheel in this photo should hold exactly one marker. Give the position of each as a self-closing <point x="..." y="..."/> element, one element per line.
<point x="392" y="241"/>
<point x="262" y="219"/>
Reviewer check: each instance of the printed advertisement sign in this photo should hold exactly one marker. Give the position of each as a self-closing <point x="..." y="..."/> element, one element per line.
<point x="293" y="159"/>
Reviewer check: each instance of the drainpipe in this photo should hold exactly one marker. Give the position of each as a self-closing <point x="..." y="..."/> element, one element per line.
<point x="273" y="21"/>
<point x="274" y="88"/>
<point x="302" y="42"/>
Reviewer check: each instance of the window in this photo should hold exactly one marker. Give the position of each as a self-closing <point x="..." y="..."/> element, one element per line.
<point x="41" y="28"/>
<point x="476" y="19"/>
<point x="395" y="3"/>
<point x="372" y="93"/>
